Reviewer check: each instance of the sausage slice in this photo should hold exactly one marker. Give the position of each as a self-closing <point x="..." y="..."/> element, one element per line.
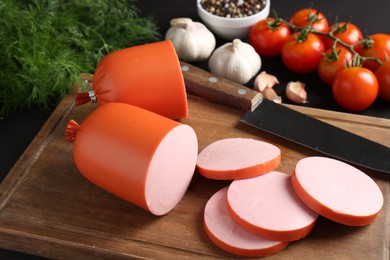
<point x="337" y="190"/>
<point x="268" y="206"/>
<point x="230" y="236"/>
<point x="237" y="158"/>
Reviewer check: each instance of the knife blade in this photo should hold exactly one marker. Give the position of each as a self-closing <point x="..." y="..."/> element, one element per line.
<point x="287" y="123"/>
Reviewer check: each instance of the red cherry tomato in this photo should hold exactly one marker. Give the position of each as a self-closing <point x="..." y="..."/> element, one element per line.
<point x="383" y="76"/>
<point x="380" y="49"/>
<point x="355" y="88"/>
<point x="346" y="32"/>
<point x="268" y="38"/>
<point x="303" y="17"/>
<point x="302" y="56"/>
<point x="330" y="66"/>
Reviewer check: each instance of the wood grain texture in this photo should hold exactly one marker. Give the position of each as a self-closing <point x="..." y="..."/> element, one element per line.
<point x="48" y="209"/>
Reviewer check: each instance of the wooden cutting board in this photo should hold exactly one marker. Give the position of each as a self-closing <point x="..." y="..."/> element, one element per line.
<point x="48" y="209"/>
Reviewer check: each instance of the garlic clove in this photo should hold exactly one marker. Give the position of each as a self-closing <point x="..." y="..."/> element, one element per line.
<point x="264" y="80"/>
<point x="270" y="94"/>
<point x="295" y="91"/>
<point x="192" y="40"/>
<point x="237" y="61"/>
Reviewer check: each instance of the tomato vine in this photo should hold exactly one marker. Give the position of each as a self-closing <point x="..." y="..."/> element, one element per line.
<point x="314" y="45"/>
<point x="302" y="32"/>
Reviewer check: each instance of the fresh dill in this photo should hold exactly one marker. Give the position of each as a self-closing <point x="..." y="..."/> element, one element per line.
<point x="46" y="44"/>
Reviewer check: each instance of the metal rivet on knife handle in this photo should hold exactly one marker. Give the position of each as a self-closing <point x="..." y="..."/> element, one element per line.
<point x="241" y="91"/>
<point x="219" y="90"/>
<point x="213" y="79"/>
<point x="185" y="68"/>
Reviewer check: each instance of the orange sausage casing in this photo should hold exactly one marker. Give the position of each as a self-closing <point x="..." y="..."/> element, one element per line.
<point x="147" y="76"/>
<point x="140" y="156"/>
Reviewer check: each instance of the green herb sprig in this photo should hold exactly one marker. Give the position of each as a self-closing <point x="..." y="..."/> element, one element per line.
<point x="46" y="44"/>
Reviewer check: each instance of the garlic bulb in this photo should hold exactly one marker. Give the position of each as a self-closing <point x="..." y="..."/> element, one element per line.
<point x="192" y="40"/>
<point x="236" y="61"/>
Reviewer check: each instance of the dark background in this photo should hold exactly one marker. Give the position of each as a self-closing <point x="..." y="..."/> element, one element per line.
<point x="18" y="130"/>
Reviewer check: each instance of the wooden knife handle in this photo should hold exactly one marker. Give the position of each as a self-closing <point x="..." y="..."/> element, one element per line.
<point x="219" y="90"/>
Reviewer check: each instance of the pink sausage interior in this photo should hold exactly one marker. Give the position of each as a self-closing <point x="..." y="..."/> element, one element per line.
<point x="171" y="169"/>
<point x="232" y="236"/>
<point x="237" y="158"/>
<point x="268" y="205"/>
<point x="235" y="153"/>
<point x="338" y="190"/>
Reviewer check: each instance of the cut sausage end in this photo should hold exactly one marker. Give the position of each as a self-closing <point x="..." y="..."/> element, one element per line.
<point x="337" y="190"/>
<point x="237" y="158"/>
<point x="230" y="236"/>
<point x="171" y="170"/>
<point x="268" y="206"/>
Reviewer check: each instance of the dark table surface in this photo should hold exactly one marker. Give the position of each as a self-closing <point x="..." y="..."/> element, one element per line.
<point x="18" y="130"/>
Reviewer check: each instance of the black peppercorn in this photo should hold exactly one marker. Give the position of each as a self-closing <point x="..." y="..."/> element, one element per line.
<point x="233" y="8"/>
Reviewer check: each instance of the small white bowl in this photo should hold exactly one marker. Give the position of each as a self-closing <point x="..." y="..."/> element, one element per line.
<point x="231" y="28"/>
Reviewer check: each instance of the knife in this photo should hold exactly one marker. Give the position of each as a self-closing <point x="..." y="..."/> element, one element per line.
<point x="287" y="123"/>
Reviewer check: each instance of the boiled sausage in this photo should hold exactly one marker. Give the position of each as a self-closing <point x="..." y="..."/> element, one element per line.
<point x="140" y="156"/>
<point x="148" y="76"/>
